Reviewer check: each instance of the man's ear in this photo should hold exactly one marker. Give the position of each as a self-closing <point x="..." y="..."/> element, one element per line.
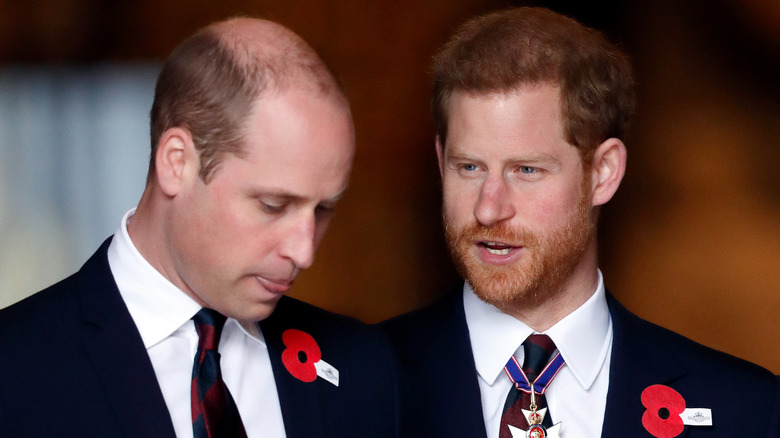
<point x="608" y="168"/>
<point x="440" y="155"/>
<point x="176" y="160"/>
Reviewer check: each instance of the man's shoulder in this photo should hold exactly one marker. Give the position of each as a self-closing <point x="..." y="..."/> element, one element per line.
<point x="51" y="302"/>
<point x="46" y="324"/>
<point x="444" y="309"/>
<point x="60" y="305"/>
<point x="435" y="327"/>
<point x="638" y="336"/>
<point x="326" y="327"/>
<point x="293" y="312"/>
<point x="645" y="354"/>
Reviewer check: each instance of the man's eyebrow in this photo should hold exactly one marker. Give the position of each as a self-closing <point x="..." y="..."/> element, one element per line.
<point x="285" y="195"/>
<point x="455" y="154"/>
<point x="534" y="157"/>
<point x="274" y="193"/>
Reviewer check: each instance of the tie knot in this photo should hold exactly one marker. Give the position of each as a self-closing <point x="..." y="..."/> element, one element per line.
<point x="538" y="350"/>
<point x="209" y="324"/>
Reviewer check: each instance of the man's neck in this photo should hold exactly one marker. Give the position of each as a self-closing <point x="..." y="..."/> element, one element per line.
<point x="553" y="306"/>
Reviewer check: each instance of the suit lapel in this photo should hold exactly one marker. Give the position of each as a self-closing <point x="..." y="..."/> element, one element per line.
<point x="447" y="368"/>
<point x="300" y="401"/>
<point x="117" y="353"/>
<point x="637" y="361"/>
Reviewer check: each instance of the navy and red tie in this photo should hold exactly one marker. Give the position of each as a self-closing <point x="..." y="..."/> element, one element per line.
<point x="538" y="351"/>
<point x="214" y="412"/>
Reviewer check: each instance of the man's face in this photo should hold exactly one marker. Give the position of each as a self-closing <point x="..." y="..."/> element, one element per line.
<point x="517" y="201"/>
<point x="240" y="240"/>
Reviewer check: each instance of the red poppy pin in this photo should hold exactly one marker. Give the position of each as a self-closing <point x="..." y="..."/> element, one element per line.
<point x="303" y="359"/>
<point x="666" y="415"/>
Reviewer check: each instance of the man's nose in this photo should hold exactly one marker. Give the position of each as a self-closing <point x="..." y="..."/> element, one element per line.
<point x="494" y="204"/>
<point x="299" y="242"/>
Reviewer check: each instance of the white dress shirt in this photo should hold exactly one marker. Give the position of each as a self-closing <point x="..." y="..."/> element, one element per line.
<point x="577" y="396"/>
<point x="162" y="312"/>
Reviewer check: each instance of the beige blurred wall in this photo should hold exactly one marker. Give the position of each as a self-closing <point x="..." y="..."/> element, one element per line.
<point x="691" y="240"/>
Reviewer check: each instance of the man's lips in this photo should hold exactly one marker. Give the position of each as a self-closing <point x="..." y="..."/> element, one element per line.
<point x="497" y="248"/>
<point x="275" y="285"/>
<point x="498" y="253"/>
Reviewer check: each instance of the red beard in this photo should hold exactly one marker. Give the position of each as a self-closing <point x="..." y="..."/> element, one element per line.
<point x="548" y="262"/>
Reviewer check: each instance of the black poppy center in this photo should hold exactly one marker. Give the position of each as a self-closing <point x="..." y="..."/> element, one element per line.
<point x="302" y="357"/>
<point x="663" y="413"/>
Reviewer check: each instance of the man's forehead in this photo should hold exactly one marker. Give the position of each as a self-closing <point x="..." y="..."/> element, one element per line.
<point x="519" y="89"/>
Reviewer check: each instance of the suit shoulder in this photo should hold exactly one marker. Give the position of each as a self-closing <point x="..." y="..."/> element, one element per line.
<point x="323" y="325"/>
<point x="414" y="333"/>
<point x="409" y="324"/>
<point x="60" y="301"/>
<point x="664" y="343"/>
<point x="291" y="309"/>
<point x="443" y="309"/>
<point x="688" y="350"/>
<point x="54" y="302"/>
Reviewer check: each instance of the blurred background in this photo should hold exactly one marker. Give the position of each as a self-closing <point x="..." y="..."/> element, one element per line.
<point x="691" y="241"/>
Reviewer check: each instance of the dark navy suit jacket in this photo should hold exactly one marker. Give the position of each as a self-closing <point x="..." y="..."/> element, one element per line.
<point x="73" y="365"/>
<point x="436" y="357"/>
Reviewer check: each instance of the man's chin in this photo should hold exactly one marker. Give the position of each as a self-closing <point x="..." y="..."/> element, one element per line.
<point x="509" y="295"/>
<point x="493" y="292"/>
<point x="256" y="311"/>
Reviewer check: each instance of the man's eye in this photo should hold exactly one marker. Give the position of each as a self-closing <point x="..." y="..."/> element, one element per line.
<point x="470" y="167"/>
<point x="528" y="170"/>
<point x="272" y="208"/>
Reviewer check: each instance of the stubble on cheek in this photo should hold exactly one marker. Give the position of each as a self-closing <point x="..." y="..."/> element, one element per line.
<point x="495" y="284"/>
<point x="546" y="263"/>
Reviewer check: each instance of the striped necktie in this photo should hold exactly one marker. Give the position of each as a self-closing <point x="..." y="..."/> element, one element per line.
<point x="214" y="412"/>
<point x="538" y="370"/>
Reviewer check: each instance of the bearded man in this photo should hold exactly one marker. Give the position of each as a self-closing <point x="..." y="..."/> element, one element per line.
<point x="530" y="110"/>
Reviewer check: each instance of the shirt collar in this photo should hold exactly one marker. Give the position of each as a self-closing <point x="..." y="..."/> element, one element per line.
<point x="157" y="306"/>
<point x="583" y="337"/>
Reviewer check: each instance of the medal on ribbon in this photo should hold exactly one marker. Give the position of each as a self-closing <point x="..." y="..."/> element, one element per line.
<point x="534" y="416"/>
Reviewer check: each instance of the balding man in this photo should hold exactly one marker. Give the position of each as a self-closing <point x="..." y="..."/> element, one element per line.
<point x="178" y="325"/>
